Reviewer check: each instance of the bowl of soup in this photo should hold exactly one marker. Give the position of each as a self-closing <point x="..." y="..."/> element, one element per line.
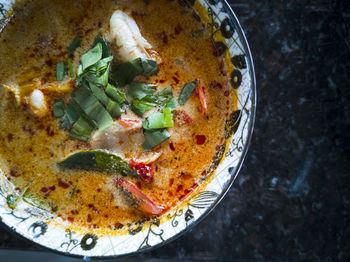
<point x="123" y="123"/>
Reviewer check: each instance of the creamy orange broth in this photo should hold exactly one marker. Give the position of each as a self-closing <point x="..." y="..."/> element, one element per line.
<point x="30" y="147"/>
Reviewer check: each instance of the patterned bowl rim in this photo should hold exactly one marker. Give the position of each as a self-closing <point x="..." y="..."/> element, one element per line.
<point x="234" y="175"/>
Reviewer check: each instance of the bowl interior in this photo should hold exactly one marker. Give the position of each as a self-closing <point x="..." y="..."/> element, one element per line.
<point x="47" y="231"/>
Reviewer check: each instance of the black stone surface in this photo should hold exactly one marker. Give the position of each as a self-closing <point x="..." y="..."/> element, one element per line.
<point x="291" y="201"/>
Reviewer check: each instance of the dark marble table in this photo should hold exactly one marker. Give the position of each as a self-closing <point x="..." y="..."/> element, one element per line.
<point x="291" y="201"/>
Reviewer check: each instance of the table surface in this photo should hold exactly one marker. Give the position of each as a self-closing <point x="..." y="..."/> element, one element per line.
<point x="291" y="200"/>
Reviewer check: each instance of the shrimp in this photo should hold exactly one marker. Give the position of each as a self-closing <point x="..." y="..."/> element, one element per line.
<point x="142" y="202"/>
<point x="127" y="36"/>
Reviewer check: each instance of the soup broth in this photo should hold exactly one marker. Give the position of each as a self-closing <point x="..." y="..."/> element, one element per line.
<point x="31" y="140"/>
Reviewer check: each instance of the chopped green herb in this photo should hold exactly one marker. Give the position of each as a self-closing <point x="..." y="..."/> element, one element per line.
<point x="101" y="65"/>
<point x="170" y="103"/>
<point x="128" y="71"/>
<point x="106" y="50"/>
<point x="154" y="138"/>
<point x="60" y="71"/>
<point x="168" y="117"/>
<point x="113" y="109"/>
<point x="64" y="123"/>
<point x="72" y="192"/>
<point x="99" y="78"/>
<point x="187" y="91"/>
<point x="70" y="67"/>
<point x="13" y="199"/>
<point x="97" y="73"/>
<point x="166" y="98"/>
<point x="72" y="114"/>
<point x="73" y="111"/>
<point x="47" y="205"/>
<point x="73" y="45"/>
<point x="197" y="33"/>
<point x="99" y="161"/>
<point x="159" y="120"/>
<point x="93" y="109"/>
<point x="58" y="109"/>
<point x="99" y="93"/>
<point x="82" y="129"/>
<point x="115" y="94"/>
<point x="140" y="107"/>
<point x="140" y="90"/>
<point x="91" y="57"/>
<point x="149" y="66"/>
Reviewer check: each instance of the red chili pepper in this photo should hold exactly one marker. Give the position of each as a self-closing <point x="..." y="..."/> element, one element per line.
<point x="172" y="146"/>
<point x="176" y="80"/>
<point x="62" y="184"/>
<point x="128" y="122"/>
<point x="202" y="98"/>
<point x="145" y="171"/>
<point x="143" y="202"/>
<point x="182" y="117"/>
<point x="164" y="37"/>
<point x="178" y="29"/>
<point x="200" y="139"/>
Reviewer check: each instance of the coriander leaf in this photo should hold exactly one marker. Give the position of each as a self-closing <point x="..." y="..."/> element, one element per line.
<point x="187" y="91"/>
<point x="99" y="79"/>
<point x="170" y="103"/>
<point x="58" y="109"/>
<point x="159" y="120"/>
<point x="163" y="99"/>
<point x="106" y="50"/>
<point x="60" y="71"/>
<point x="91" y="57"/>
<point x="99" y="72"/>
<point x="140" y="90"/>
<point x="166" y="98"/>
<point x="73" y="45"/>
<point x="101" y="64"/>
<point x="139" y="107"/>
<point x="154" y="138"/>
<point x="166" y="92"/>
